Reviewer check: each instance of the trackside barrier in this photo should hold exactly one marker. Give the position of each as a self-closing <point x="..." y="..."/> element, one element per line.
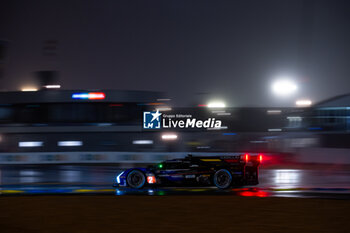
<point x="92" y="190"/>
<point x="323" y="155"/>
<point x="96" y="157"/>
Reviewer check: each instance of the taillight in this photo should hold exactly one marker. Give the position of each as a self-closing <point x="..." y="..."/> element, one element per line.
<point x="260" y="158"/>
<point x="245" y="158"/>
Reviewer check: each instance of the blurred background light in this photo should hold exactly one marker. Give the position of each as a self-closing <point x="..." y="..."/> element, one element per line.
<point x="169" y="136"/>
<point x="216" y="104"/>
<point x="52" y="86"/>
<point x="303" y="103"/>
<point x="276" y="111"/>
<point x="30" y="144"/>
<point x="284" y="87"/>
<point x="142" y="142"/>
<point x="29" y="89"/>
<point x="274" y="130"/>
<point x="70" y="143"/>
<point x="163" y="109"/>
<point x="294" y="118"/>
<point x="90" y="95"/>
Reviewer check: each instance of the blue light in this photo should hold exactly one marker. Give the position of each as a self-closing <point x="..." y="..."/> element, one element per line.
<point x="315" y="128"/>
<point x="150" y="192"/>
<point x="229" y="134"/>
<point x="80" y="96"/>
<point x="119" y="192"/>
<point x="90" y="95"/>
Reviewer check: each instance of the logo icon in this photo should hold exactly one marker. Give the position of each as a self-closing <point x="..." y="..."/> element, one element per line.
<point x="151" y="120"/>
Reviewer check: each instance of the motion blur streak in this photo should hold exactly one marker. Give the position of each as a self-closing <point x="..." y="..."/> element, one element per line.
<point x="287" y="177"/>
<point x="30" y="144"/>
<point x="70" y="143"/>
<point x="169" y="136"/>
<point x="65" y="179"/>
<point x="303" y="103"/>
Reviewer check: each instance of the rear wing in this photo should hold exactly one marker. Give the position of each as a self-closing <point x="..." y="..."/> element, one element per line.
<point x="242" y="158"/>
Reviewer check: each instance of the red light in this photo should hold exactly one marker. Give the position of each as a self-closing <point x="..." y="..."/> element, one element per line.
<point x="246" y="157"/>
<point x="246" y="194"/>
<point x="155" y="103"/>
<point x="258" y="193"/>
<point x="97" y="95"/>
<point x="260" y="158"/>
<point x="202" y="105"/>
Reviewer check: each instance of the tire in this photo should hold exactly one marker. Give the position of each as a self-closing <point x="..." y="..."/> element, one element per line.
<point x="136" y="179"/>
<point x="222" y="179"/>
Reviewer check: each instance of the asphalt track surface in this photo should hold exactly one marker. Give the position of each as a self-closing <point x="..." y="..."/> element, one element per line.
<point x="97" y="180"/>
<point x="172" y="214"/>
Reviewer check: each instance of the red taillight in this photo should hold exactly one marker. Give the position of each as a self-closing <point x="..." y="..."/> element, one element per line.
<point x="246" y="157"/>
<point x="260" y="158"/>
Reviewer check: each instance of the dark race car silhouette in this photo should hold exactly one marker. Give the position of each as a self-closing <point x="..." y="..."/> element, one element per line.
<point x="221" y="171"/>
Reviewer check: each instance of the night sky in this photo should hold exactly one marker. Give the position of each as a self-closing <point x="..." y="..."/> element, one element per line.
<point x="192" y="50"/>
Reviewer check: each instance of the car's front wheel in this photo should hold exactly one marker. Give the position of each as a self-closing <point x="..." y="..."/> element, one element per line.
<point x="136" y="179"/>
<point x="222" y="179"/>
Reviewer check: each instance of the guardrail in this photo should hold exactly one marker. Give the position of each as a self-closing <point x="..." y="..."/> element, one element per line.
<point x="95" y="157"/>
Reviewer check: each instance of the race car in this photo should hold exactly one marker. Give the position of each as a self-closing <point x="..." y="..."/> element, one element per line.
<point x="221" y="171"/>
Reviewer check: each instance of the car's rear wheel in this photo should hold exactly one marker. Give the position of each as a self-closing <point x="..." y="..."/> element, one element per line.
<point x="222" y="179"/>
<point x="136" y="179"/>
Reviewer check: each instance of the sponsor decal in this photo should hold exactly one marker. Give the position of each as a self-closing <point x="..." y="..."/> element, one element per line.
<point x="151" y="179"/>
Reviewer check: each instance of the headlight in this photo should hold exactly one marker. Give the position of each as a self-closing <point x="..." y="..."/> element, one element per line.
<point x="118" y="178"/>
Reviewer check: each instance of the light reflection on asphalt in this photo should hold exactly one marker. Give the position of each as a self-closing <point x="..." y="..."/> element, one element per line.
<point x="75" y="179"/>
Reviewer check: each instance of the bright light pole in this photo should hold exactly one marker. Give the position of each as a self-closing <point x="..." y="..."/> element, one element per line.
<point x="54" y="86"/>
<point x="169" y="136"/>
<point x="284" y="87"/>
<point x="303" y="103"/>
<point x="216" y="104"/>
<point x="29" y="89"/>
